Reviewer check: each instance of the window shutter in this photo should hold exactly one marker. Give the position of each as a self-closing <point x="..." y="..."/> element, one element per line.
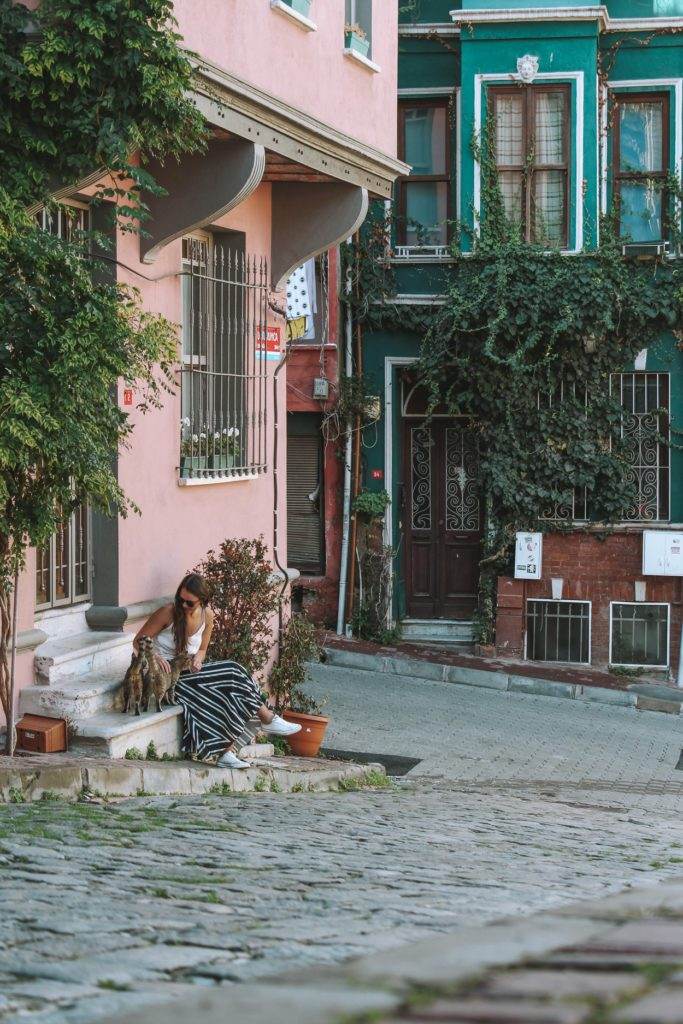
<point x="304" y="521"/>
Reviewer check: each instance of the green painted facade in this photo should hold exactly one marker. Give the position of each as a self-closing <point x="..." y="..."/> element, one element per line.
<point x="460" y="67"/>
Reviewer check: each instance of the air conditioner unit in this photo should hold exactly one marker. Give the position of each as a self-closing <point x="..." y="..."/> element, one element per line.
<point x="645" y="250"/>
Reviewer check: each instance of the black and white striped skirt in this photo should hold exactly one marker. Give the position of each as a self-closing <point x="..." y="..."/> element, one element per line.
<point x="217" y="703"/>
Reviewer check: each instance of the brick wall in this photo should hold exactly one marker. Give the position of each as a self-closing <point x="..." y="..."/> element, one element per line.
<point x="593" y="569"/>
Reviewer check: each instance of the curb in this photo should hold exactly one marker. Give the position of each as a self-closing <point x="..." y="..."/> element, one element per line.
<point x="27" y="779"/>
<point x="506" y="682"/>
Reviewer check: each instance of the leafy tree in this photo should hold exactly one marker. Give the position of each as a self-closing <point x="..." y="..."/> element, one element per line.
<point x="86" y="86"/>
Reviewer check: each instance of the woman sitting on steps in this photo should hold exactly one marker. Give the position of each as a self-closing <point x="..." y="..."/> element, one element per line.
<point x="217" y="699"/>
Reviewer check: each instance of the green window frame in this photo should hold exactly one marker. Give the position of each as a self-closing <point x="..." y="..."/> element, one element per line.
<point x="640" y="193"/>
<point x="428" y="187"/>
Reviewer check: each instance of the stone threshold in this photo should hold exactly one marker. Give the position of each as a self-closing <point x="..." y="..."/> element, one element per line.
<point x="26" y="778"/>
<point x="501" y="674"/>
<point x="616" y="960"/>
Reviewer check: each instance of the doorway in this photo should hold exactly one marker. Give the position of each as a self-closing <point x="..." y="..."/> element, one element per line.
<point x="442" y="519"/>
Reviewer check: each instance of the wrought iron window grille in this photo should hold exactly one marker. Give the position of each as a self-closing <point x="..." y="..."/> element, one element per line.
<point x="224" y="361"/>
<point x="558" y="631"/>
<point x="644" y="398"/>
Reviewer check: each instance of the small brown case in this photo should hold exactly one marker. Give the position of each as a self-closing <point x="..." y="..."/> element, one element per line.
<point x="41" y="735"/>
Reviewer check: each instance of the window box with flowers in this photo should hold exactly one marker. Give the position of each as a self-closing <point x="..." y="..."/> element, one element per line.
<point x="223" y="448"/>
<point x="355" y="38"/>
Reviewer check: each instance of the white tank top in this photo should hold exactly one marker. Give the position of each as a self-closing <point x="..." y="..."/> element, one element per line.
<point x="165" y="642"/>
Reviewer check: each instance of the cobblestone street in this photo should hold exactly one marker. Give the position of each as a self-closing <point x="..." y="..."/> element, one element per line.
<point x="106" y="908"/>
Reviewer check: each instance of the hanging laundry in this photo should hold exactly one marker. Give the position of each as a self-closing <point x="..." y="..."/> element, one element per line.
<point x="312" y="284"/>
<point x="298" y="298"/>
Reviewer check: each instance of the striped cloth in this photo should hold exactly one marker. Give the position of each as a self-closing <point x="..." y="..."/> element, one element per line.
<point x="217" y="703"/>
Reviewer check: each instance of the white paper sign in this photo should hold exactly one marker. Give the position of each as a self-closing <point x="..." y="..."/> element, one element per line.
<point x="528" y="555"/>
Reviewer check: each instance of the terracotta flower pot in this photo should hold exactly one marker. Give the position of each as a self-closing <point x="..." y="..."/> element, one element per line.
<point x="306" y="743"/>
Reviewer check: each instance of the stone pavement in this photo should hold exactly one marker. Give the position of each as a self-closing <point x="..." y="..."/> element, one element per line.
<point x="612" y="961"/>
<point x="520" y="805"/>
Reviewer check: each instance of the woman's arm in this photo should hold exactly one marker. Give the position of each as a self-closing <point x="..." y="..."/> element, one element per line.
<point x="157" y="621"/>
<point x="199" y="657"/>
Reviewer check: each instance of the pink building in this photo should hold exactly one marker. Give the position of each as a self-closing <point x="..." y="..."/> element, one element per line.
<point x="304" y="132"/>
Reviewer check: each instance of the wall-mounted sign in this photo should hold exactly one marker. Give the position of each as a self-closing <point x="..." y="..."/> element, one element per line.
<point x="662" y="553"/>
<point x="127" y="396"/>
<point x="528" y="556"/>
<point x="268" y="343"/>
<point x="377" y="474"/>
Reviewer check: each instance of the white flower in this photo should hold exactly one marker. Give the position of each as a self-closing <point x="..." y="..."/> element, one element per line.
<point x="185" y="421"/>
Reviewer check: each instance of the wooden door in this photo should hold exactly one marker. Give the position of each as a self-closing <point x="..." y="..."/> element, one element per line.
<point x="442" y="520"/>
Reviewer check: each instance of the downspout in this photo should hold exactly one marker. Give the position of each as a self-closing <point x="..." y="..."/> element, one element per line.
<point x="276" y="512"/>
<point x="346" y="501"/>
<point x="355" y="486"/>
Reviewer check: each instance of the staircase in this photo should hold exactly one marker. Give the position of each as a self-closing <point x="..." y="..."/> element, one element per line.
<point x="78" y="677"/>
<point x="450" y="633"/>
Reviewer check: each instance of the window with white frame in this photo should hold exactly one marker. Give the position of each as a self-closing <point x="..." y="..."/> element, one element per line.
<point x="530" y="140"/>
<point x="641" y="164"/>
<point x="225" y="347"/>
<point x="424" y="196"/>
<point x="63" y="563"/>
<point x="359" y="25"/>
<point x="639" y="634"/>
<point x="558" y="631"/>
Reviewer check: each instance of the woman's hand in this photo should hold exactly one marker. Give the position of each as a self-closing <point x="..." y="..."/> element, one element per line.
<point x="198" y="661"/>
<point x="164" y="664"/>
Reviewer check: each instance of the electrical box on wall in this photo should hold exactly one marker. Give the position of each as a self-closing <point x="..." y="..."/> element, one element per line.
<point x="528" y="555"/>
<point x="321" y="388"/>
<point x="662" y="553"/>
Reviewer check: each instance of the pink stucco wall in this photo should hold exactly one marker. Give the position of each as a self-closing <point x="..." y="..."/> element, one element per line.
<point x="177" y="525"/>
<point x="305" y="69"/>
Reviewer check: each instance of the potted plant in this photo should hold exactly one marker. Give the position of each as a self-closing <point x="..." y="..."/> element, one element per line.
<point x="355" y="38"/>
<point x="299" y="645"/>
<point x="191" y="445"/>
<point x="223" y="447"/>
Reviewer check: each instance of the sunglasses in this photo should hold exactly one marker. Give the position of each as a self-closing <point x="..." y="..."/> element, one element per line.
<point x="186" y="603"/>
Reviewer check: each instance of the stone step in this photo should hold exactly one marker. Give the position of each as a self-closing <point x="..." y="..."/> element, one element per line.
<point x="82" y="654"/>
<point x="75" y="697"/>
<point x="438" y="631"/>
<point x="111" y="734"/>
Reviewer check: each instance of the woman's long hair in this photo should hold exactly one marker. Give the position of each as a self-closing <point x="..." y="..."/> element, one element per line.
<point x="196" y="585"/>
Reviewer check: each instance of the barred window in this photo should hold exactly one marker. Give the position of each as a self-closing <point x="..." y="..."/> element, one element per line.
<point x="63" y="563"/>
<point x="558" y="631"/>
<point x="224" y="352"/>
<point x="644" y="398"/>
<point x="639" y="634"/>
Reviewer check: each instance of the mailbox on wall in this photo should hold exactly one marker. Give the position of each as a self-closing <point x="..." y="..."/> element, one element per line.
<point x="662" y="553"/>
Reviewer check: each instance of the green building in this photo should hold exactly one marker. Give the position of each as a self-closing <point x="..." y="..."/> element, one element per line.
<point x="583" y="103"/>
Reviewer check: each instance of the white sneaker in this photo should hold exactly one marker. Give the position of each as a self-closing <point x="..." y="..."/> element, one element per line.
<point x="278" y="727"/>
<point x="230" y="760"/>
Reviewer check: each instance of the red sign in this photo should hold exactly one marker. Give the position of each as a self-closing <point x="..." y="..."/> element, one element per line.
<point x="127" y="396"/>
<point x="377" y="474"/>
<point x="268" y="340"/>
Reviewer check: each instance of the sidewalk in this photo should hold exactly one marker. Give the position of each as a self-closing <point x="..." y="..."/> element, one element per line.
<point x="60" y="776"/>
<point x="541" y="680"/>
<point x="613" y="961"/>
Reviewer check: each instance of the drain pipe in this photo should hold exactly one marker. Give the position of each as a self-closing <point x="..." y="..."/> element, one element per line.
<point x="348" y="370"/>
<point x="276" y="511"/>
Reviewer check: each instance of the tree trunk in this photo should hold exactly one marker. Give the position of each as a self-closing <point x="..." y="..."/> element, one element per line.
<point x="11" y="732"/>
<point x="5" y="630"/>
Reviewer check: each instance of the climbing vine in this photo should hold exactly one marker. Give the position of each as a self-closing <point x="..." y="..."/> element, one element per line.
<point x="523" y="349"/>
<point x="98" y="88"/>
